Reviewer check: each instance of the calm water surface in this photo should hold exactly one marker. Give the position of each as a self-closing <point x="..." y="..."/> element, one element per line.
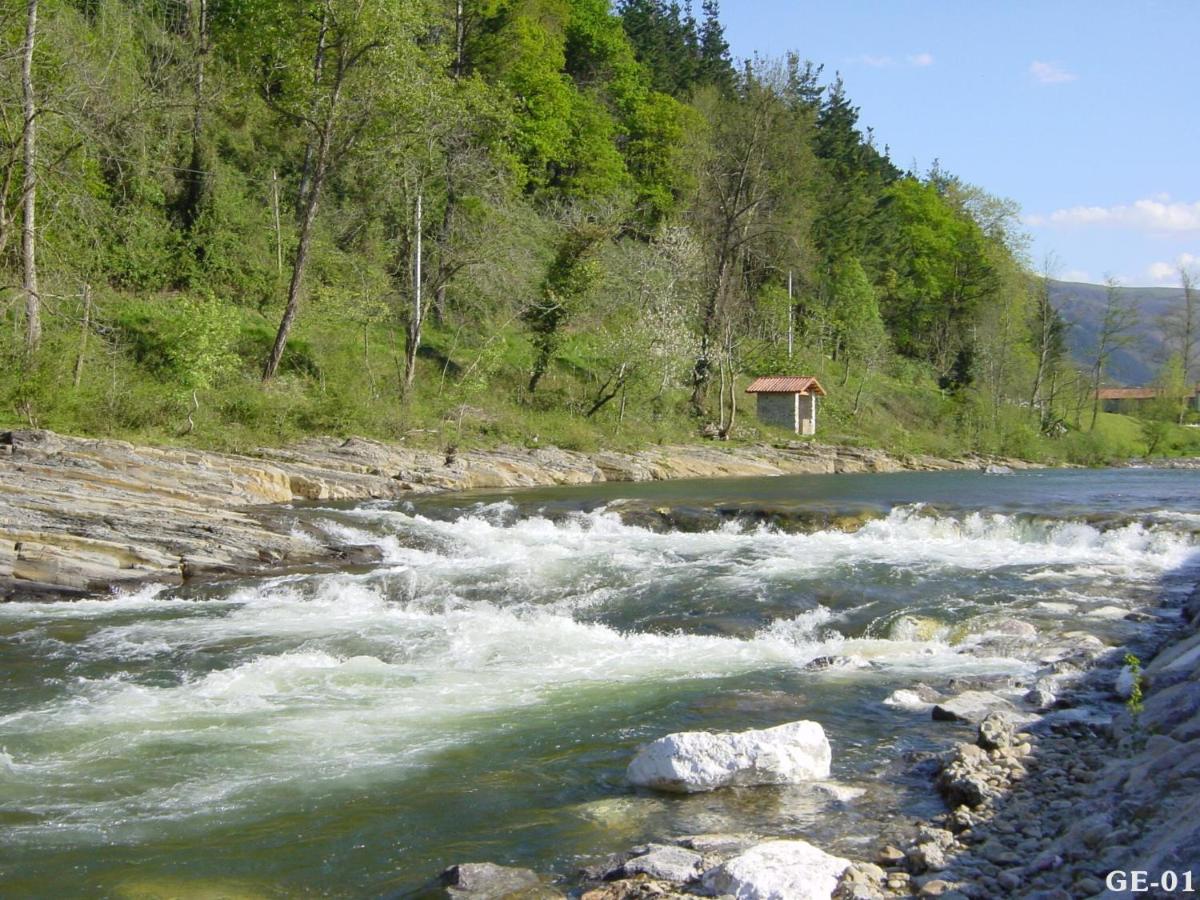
<point x="478" y="694"/>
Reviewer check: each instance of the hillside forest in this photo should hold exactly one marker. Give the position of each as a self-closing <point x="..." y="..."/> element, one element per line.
<point x="469" y="222"/>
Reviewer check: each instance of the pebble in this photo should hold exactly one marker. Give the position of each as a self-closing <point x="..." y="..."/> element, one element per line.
<point x="935" y="888"/>
<point x="1009" y="880"/>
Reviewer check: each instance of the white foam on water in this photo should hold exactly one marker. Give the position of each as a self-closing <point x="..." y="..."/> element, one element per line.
<point x="143" y="597"/>
<point x="1175" y="515"/>
<point x="908" y="539"/>
<point x="8" y="765"/>
<point x="312" y="716"/>
<point x="298" y="683"/>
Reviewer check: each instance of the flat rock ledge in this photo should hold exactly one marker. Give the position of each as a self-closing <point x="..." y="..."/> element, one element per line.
<point x="80" y="515"/>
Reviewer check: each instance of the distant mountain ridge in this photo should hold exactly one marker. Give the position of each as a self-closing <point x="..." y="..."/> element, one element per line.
<point x="1082" y="305"/>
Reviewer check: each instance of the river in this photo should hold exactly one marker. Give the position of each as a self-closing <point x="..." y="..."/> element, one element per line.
<point x="478" y="693"/>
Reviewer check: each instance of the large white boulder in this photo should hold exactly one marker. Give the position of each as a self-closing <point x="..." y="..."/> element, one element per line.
<point x="691" y="761"/>
<point x="778" y="870"/>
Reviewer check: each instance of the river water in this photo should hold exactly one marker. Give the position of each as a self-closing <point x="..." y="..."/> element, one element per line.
<point x="478" y="694"/>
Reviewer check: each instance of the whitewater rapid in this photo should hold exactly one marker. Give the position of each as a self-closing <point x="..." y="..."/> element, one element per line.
<point x="167" y="711"/>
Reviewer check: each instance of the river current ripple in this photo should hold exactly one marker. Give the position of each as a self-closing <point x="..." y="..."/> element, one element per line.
<point x="477" y="694"/>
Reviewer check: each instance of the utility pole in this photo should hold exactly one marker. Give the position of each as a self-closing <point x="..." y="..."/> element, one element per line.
<point x="278" y="228"/>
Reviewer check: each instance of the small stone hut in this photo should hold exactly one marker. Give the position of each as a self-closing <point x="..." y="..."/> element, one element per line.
<point x="788" y="401"/>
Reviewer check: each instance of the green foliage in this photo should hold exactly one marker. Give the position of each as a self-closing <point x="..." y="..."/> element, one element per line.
<point x="183" y="339"/>
<point x="858" y="327"/>
<point x="933" y="270"/>
<point x="1134" y="702"/>
<point x="571" y="274"/>
<point x="608" y="204"/>
<point x="666" y="41"/>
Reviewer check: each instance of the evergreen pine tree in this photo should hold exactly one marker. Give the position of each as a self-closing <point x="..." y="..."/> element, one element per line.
<point x="716" y="66"/>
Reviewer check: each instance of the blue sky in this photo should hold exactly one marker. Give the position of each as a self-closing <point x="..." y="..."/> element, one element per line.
<point x="1085" y="113"/>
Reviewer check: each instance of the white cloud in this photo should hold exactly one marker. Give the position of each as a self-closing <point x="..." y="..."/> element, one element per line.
<point x="1050" y="73"/>
<point x="1159" y="214"/>
<point x="920" y="60"/>
<point x="1076" y="275"/>
<point x="1161" y="271"/>
<point x="1168" y="273"/>
<point x="873" y="61"/>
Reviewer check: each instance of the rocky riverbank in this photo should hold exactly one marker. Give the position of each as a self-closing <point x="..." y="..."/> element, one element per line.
<point x="82" y="515"/>
<point x="1084" y="767"/>
<point x="1041" y="806"/>
<point x="1102" y="784"/>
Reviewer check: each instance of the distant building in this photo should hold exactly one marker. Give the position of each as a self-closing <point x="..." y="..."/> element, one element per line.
<point x="1127" y="399"/>
<point x="788" y="401"/>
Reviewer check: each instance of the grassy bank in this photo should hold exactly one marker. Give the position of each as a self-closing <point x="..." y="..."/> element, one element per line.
<point x="184" y="370"/>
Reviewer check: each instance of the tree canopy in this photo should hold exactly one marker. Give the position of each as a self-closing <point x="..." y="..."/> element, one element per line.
<point x="394" y="208"/>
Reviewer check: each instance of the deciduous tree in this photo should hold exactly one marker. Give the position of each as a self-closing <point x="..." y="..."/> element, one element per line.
<point x="1116" y="322"/>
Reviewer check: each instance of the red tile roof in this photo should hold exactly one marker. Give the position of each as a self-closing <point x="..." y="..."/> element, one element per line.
<point x="1127" y="393"/>
<point x="786" y="384"/>
<point x="1135" y="393"/>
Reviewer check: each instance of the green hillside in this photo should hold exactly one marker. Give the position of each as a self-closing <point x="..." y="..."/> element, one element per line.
<point x="236" y="222"/>
<point x="1083" y="305"/>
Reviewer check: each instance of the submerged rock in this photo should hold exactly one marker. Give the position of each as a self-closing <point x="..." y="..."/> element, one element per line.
<point x="917" y="628"/>
<point x="836" y="662"/>
<point x="841" y="793"/>
<point x="1011" y="628"/>
<point x="620" y="814"/>
<point x="691" y="761"/>
<point x="778" y="870"/>
<point x="719" y="843"/>
<point x="488" y="881"/>
<point x="919" y="698"/>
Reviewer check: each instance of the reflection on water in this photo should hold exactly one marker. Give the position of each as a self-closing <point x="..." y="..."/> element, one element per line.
<point x="479" y="693"/>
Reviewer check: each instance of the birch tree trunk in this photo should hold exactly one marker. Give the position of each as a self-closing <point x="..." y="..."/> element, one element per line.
<point x="33" y="300"/>
<point x="416" y="315"/>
